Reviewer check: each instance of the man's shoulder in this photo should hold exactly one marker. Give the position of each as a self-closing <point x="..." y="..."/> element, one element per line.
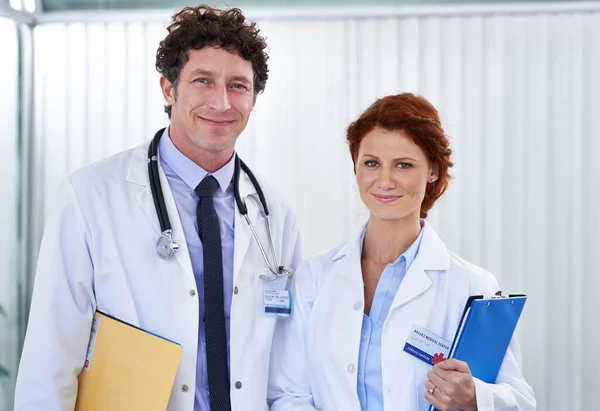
<point x="275" y="199"/>
<point x="111" y="169"/>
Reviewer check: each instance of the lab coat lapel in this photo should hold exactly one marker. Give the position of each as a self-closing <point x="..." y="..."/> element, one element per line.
<point x="432" y="256"/>
<point x="243" y="235"/>
<point x="349" y="256"/>
<point x="138" y="174"/>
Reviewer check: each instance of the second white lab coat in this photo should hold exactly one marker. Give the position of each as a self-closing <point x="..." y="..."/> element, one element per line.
<point x="314" y="361"/>
<point x="99" y="253"/>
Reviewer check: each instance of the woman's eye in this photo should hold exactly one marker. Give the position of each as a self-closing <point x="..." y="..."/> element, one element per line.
<point x="404" y="165"/>
<point x="371" y="163"/>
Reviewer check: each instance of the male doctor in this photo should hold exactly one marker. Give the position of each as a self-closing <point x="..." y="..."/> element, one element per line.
<point x="99" y="250"/>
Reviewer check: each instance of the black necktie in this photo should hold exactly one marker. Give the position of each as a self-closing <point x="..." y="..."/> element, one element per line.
<point x="214" y="310"/>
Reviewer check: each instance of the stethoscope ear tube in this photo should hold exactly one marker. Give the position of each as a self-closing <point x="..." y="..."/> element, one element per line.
<point x="155" y="186"/>
<point x="166" y="247"/>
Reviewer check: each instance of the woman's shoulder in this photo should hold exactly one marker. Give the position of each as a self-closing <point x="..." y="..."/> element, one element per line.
<point x="481" y="281"/>
<point x="317" y="268"/>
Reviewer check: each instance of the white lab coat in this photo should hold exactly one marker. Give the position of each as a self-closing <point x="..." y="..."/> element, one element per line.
<point x="314" y="356"/>
<point x="99" y="252"/>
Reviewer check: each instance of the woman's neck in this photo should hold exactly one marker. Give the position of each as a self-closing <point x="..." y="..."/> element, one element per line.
<point x="386" y="240"/>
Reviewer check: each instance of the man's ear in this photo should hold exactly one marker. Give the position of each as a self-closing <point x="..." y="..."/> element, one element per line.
<point x="168" y="90"/>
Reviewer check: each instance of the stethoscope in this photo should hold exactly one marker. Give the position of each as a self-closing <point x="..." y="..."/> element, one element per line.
<point x="166" y="247"/>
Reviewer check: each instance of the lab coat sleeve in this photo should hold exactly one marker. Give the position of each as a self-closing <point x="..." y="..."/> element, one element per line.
<point x="510" y="392"/>
<point x="63" y="305"/>
<point x="289" y="380"/>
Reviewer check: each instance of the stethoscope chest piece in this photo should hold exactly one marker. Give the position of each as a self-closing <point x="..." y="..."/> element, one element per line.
<point x="165" y="246"/>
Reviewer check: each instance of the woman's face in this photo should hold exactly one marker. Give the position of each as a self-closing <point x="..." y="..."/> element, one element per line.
<point x="392" y="174"/>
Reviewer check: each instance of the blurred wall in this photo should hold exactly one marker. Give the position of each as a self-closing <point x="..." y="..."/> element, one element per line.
<point x="9" y="240"/>
<point x="518" y="94"/>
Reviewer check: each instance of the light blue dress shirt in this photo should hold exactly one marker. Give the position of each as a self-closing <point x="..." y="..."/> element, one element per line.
<point x="183" y="176"/>
<point x="370" y="385"/>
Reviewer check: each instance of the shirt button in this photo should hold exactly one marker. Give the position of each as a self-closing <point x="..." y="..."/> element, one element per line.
<point x="310" y="304"/>
<point x="238" y="385"/>
<point x="360" y="376"/>
<point x="358" y="305"/>
<point x="235" y="290"/>
<point x="350" y="368"/>
<point x="184" y="388"/>
<point x="365" y="337"/>
<point x="206" y="393"/>
<point x="192" y="293"/>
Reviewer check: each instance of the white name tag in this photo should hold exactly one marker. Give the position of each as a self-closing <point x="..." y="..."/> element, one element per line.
<point x="277" y="298"/>
<point x="426" y="346"/>
<point x="277" y="302"/>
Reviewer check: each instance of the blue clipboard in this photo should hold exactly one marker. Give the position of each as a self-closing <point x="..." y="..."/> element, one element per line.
<point x="486" y="328"/>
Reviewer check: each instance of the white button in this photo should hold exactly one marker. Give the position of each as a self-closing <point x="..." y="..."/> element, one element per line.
<point x="365" y="337"/>
<point x="360" y="376"/>
<point x="358" y="305"/>
<point x="350" y="368"/>
<point x="206" y="393"/>
<point x="310" y="304"/>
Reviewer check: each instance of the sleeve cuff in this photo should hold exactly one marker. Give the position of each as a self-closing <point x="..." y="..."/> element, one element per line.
<point x="484" y="395"/>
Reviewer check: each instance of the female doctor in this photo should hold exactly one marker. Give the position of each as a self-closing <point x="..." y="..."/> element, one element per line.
<point x="356" y="304"/>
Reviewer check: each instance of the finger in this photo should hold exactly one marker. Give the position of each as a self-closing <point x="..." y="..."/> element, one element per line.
<point x="436" y="402"/>
<point x="441" y="373"/>
<point x="436" y="379"/>
<point x="430" y="385"/>
<point x="453" y="365"/>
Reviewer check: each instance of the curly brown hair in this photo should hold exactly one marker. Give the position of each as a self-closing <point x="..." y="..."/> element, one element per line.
<point x="202" y="26"/>
<point x="420" y="120"/>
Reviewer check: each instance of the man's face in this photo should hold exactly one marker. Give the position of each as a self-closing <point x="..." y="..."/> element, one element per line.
<point x="213" y="99"/>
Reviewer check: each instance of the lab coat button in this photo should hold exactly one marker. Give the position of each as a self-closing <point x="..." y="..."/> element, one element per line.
<point x="350" y="368"/>
<point x="238" y="385"/>
<point x="192" y="293"/>
<point x="235" y="290"/>
<point x="358" y="305"/>
<point x="184" y="388"/>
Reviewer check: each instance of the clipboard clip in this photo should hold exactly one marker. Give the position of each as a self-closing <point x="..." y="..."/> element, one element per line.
<point x="499" y="295"/>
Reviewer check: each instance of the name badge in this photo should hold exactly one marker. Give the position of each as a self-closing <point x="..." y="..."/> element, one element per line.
<point x="426" y="346"/>
<point x="277" y="297"/>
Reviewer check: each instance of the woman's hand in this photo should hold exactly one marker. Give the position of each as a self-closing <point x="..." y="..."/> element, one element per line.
<point x="451" y="386"/>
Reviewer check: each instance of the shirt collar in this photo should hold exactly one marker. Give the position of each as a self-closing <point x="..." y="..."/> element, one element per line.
<point x="188" y="171"/>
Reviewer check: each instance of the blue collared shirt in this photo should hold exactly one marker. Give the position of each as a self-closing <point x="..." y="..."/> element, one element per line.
<point x="183" y="176"/>
<point x="370" y="385"/>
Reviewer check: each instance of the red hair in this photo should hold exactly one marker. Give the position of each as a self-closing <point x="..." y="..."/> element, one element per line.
<point x="417" y="117"/>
